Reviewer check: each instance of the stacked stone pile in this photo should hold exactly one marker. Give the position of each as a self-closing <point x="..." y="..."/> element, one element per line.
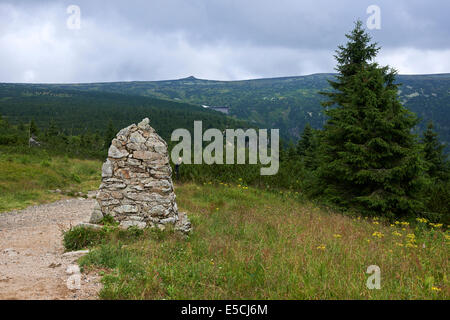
<point x="137" y="187"/>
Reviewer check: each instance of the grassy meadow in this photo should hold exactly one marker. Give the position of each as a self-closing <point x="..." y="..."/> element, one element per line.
<point x="27" y="177"/>
<point x="247" y="243"/>
<point x="253" y="244"/>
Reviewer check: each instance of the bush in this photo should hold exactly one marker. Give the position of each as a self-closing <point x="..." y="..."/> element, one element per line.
<point x="80" y="237"/>
<point x="438" y="202"/>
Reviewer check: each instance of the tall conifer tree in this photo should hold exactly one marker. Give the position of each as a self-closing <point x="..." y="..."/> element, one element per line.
<point x="369" y="158"/>
<point x="437" y="166"/>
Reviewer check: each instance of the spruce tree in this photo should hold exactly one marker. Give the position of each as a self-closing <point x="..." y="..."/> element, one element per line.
<point x="437" y="166"/>
<point x="369" y="158"/>
<point x="52" y="130"/>
<point x="33" y="128"/>
<point x="305" y="140"/>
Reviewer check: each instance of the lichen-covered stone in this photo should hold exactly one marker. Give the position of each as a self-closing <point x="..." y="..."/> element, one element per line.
<point x="137" y="188"/>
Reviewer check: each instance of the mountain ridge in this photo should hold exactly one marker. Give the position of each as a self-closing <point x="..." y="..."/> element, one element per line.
<point x="287" y="103"/>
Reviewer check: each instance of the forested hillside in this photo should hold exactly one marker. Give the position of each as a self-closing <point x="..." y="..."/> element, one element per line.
<point x="285" y="103"/>
<point x="76" y="112"/>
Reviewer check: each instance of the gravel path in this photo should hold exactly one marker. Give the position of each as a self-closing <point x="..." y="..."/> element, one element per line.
<point x="32" y="265"/>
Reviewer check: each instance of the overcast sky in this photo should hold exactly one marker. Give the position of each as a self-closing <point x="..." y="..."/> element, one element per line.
<point x="209" y="39"/>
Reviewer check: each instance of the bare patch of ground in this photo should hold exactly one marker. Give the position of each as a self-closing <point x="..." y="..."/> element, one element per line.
<point x="32" y="265"/>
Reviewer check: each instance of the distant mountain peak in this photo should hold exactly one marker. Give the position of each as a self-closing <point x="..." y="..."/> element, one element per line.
<point x="190" y="78"/>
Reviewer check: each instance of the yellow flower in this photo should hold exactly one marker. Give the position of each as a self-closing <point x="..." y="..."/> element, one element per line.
<point x="321" y="247"/>
<point x="396" y="222"/>
<point x="398" y="234"/>
<point x="435" y="289"/>
<point x="376" y="222"/>
<point x="337" y="235"/>
<point x="240" y="179"/>
<point x="436" y="225"/>
<point x="404" y="223"/>
<point x="447" y="237"/>
<point x="423" y="220"/>
<point x="399" y="244"/>
<point x="378" y="234"/>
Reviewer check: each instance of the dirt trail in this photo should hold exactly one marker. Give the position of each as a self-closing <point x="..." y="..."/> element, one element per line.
<point x="32" y="265"/>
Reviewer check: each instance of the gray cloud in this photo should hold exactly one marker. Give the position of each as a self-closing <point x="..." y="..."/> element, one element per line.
<point x="213" y="39"/>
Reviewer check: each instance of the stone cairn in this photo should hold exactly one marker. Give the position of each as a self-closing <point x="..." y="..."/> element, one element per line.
<point x="136" y="188"/>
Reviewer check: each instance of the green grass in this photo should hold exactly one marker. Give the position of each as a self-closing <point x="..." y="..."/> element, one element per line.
<point x="25" y="179"/>
<point x="254" y="244"/>
<point x="247" y="243"/>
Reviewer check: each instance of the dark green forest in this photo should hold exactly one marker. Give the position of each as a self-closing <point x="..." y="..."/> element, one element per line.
<point x="76" y="112"/>
<point x="287" y="103"/>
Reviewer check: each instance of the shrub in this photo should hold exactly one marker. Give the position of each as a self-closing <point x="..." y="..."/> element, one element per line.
<point x="80" y="237"/>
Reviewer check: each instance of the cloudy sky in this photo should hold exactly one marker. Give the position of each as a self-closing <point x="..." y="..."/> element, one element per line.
<point x="209" y="39"/>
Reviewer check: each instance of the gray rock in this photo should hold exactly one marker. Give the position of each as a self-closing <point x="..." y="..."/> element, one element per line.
<point x="96" y="215"/>
<point x="137" y="138"/>
<point x="132" y="223"/>
<point x="144" y="124"/>
<point x="89" y="226"/>
<point x="115" y="153"/>
<point x="78" y="253"/>
<point x="126" y="208"/>
<point x="107" y="169"/>
<point x="136" y="188"/>
<point x="183" y="224"/>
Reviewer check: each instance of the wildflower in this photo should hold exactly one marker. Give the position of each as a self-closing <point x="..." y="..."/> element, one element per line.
<point x="411" y="245"/>
<point x="436" y="225"/>
<point x="403" y="229"/>
<point x="392" y="225"/>
<point x="337" y="236"/>
<point x="423" y="220"/>
<point x="447" y="237"/>
<point x="399" y="244"/>
<point x="321" y="247"/>
<point x="368" y="240"/>
<point x="411" y="236"/>
<point x="435" y="289"/>
<point x="240" y="179"/>
<point x="376" y="222"/>
<point x="217" y="209"/>
<point x="378" y="234"/>
<point x="397" y="234"/>
<point x="404" y="223"/>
